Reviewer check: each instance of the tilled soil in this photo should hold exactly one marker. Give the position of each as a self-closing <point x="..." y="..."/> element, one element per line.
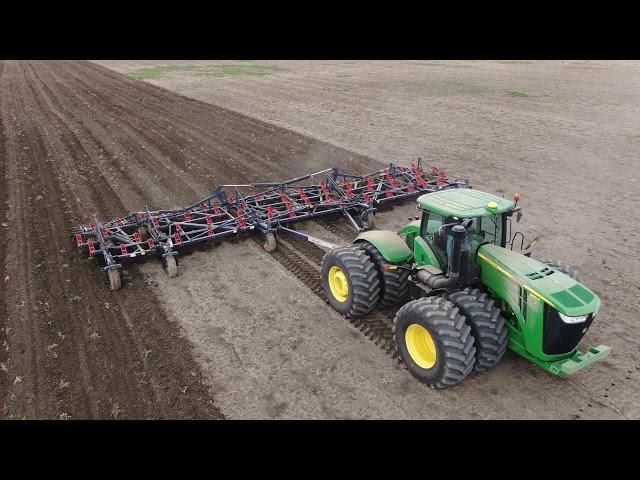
<point x="79" y="140"/>
<point x="241" y="332"/>
<point x="563" y="133"/>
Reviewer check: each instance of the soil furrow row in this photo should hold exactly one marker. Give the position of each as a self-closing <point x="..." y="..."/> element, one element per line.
<point x="4" y="200"/>
<point x="376" y="326"/>
<point x="86" y="352"/>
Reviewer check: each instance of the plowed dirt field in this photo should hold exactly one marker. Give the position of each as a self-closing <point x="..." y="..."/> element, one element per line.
<point x="242" y="333"/>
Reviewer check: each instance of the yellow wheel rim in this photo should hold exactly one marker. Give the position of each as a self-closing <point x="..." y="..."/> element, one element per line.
<point x="338" y="284"/>
<point x="421" y="346"/>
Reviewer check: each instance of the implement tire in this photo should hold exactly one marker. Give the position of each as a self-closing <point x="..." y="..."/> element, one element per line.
<point x="487" y="326"/>
<point x="350" y="281"/>
<point x="170" y="266"/>
<point x="394" y="285"/>
<point x="434" y="341"/>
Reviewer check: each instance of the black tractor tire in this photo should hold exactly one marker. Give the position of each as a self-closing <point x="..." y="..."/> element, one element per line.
<point x="363" y="284"/>
<point x="394" y="285"/>
<point x="564" y="268"/>
<point x="455" y="351"/>
<point x="488" y="326"/>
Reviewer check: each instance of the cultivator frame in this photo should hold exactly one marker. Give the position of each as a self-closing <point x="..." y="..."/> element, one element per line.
<point x="268" y="209"/>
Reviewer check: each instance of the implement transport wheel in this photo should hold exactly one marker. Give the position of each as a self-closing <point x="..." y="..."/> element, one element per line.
<point x="368" y="220"/>
<point x="269" y="242"/>
<point x="170" y="266"/>
<point x="434" y="342"/>
<point x="563" y="268"/>
<point x="115" y="281"/>
<point x="487" y="326"/>
<point x="350" y="281"/>
<point x="394" y="287"/>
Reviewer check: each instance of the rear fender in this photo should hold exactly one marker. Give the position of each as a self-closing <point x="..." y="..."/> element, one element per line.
<point x="390" y="245"/>
<point x="424" y="254"/>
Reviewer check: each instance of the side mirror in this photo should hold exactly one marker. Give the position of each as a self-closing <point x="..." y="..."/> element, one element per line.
<point x="518" y="213"/>
<point x="516" y="198"/>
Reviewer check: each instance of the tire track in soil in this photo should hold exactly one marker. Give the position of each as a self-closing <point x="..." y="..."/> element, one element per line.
<point x="336" y="224"/>
<point x="4" y="198"/>
<point x="376" y="326"/>
<point x="107" y="377"/>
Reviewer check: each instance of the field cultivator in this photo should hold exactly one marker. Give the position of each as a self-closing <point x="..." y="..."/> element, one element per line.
<point x="267" y="208"/>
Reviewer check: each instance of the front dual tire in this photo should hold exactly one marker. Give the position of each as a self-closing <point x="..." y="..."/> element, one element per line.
<point x="465" y="329"/>
<point x="434" y="341"/>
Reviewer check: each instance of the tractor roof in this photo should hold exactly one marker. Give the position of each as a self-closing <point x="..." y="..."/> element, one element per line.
<point x="464" y="203"/>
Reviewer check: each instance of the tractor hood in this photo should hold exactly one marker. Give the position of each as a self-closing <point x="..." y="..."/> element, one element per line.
<point x="556" y="289"/>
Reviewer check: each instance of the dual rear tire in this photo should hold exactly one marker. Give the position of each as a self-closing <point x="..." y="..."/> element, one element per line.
<point x="488" y="326"/>
<point x="350" y="281"/>
<point x="356" y="279"/>
<point x="394" y="284"/>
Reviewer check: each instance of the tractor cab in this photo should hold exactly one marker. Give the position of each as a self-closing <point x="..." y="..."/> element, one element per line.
<point x="483" y="217"/>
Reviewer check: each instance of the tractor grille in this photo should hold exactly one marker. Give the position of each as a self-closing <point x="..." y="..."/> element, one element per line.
<point x="559" y="337"/>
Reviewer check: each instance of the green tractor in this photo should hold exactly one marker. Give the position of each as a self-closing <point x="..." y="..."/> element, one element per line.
<point x="466" y="294"/>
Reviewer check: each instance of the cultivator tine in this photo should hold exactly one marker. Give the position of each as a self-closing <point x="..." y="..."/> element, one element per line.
<point x="265" y="207"/>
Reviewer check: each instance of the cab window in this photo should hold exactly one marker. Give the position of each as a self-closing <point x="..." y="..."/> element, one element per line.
<point x="430" y="223"/>
<point x="485" y="229"/>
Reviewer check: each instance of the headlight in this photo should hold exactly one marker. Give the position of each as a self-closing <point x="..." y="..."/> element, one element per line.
<point x="567" y="319"/>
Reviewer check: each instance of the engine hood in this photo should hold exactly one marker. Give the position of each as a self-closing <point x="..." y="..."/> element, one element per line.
<point x="555" y="288"/>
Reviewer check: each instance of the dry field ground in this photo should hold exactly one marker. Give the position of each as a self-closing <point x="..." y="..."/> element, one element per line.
<point x="242" y="333"/>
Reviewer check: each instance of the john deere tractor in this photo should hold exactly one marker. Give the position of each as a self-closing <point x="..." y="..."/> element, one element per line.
<point x="466" y="294"/>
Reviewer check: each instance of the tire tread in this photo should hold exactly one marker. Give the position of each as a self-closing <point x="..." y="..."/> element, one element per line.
<point x="363" y="277"/>
<point x="449" y="327"/>
<point x="488" y="326"/>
